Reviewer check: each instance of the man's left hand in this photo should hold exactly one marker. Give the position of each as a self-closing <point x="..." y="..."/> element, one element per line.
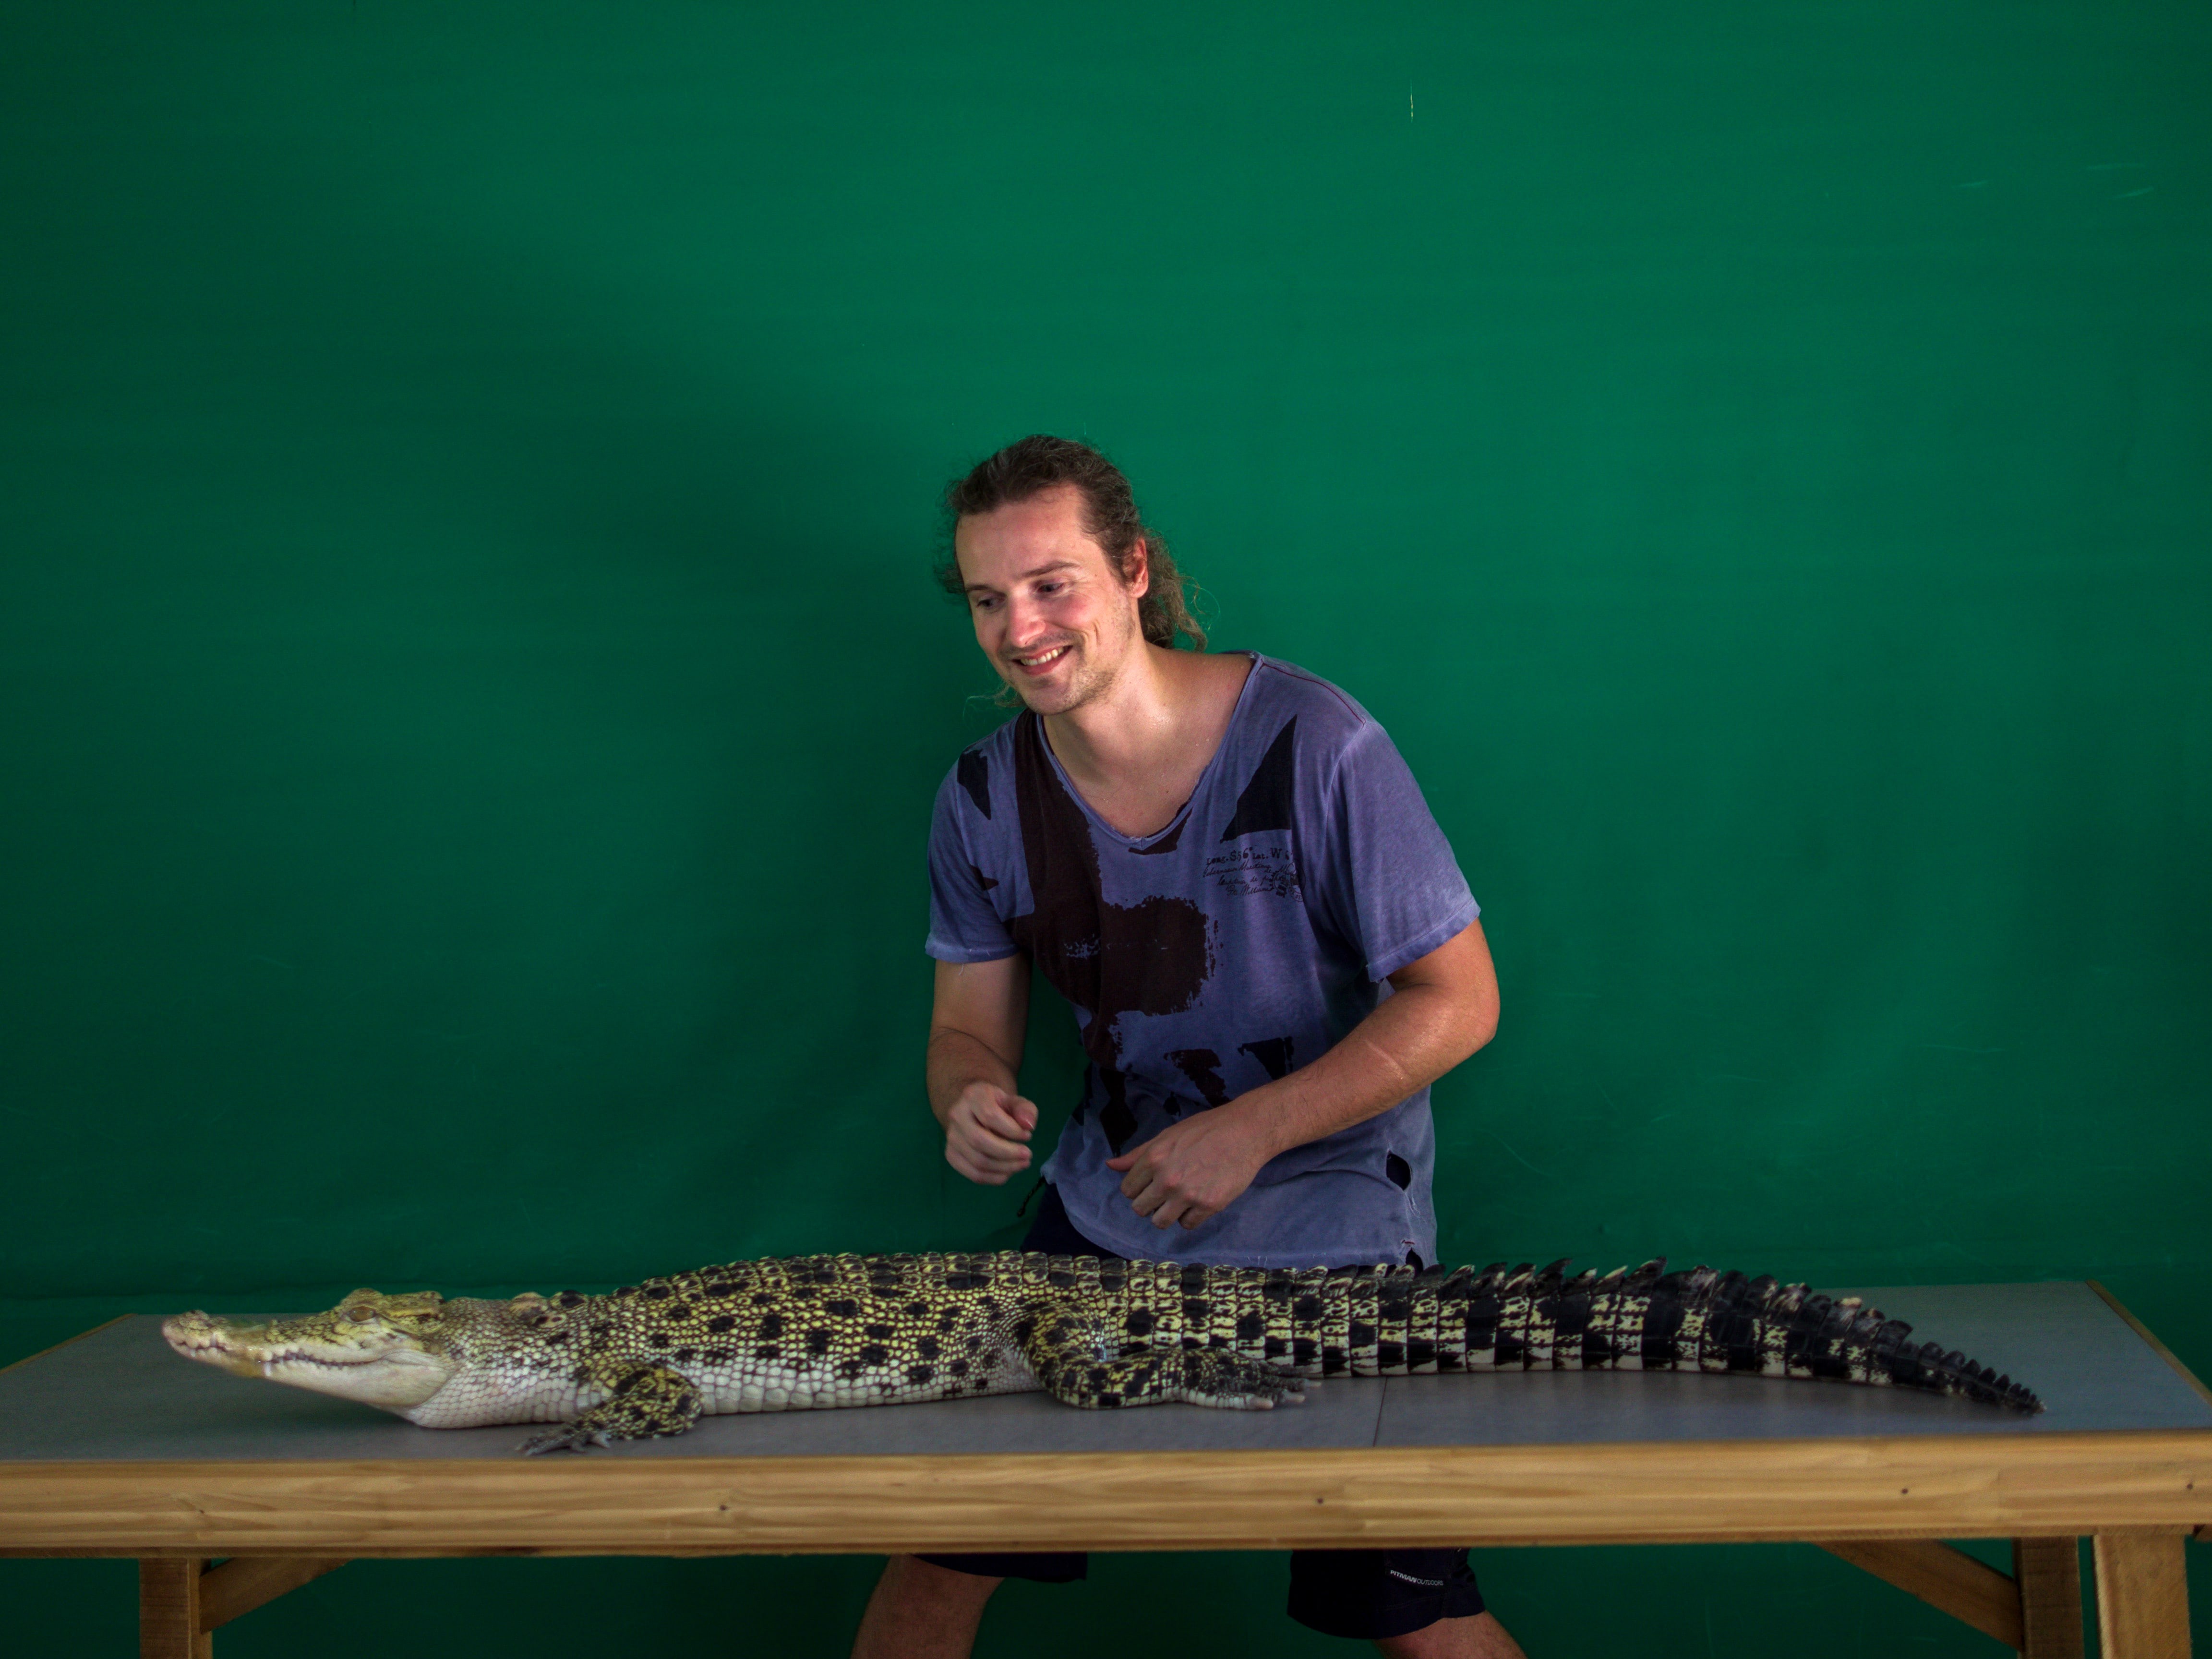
<point x="1191" y="1170"/>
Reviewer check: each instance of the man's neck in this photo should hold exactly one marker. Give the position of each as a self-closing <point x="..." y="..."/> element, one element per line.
<point x="1137" y="753"/>
<point x="1131" y="731"/>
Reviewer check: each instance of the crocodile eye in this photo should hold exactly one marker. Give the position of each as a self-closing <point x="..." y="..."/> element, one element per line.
<point x="361" y="1315"/>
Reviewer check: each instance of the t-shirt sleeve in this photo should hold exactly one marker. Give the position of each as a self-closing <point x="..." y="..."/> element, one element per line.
<point x="1391" y="886"/>
<point x="963" y="923"/>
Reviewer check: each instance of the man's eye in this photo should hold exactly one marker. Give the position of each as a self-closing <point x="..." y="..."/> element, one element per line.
<point x="1049" y="588"/>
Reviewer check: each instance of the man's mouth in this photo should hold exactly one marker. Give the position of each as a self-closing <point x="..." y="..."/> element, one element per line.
<point x="1038" y="662"/>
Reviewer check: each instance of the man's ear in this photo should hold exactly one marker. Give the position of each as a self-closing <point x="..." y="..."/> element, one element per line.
<point x="1140" y="569"/>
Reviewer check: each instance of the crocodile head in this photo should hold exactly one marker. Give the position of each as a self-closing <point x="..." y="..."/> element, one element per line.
<point x="388" y="1351"/>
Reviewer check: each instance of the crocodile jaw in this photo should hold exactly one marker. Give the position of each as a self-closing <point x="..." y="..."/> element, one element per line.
<point x="395" y="1375"/>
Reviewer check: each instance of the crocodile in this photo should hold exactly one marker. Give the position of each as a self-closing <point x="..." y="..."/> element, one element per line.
<point x="812" y="1332"/>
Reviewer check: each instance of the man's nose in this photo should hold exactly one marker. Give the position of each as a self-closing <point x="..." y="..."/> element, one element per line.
<point x="1025" y="620"/>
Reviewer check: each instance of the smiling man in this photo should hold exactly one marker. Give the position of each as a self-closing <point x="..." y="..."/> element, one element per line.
<point x="1223" y="865"/>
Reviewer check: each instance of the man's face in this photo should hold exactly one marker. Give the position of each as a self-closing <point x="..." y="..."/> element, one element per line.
<point x="1050" y="612"/>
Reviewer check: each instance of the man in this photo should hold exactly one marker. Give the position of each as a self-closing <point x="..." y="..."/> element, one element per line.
<point x="1218" y="860"/>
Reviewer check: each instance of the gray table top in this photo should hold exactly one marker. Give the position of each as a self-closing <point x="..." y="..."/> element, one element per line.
<point x="120" y="1394"/>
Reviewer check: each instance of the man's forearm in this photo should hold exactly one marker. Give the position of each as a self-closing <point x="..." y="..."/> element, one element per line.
<point x="956" y="1059"/>
<point x="1442" y="1010"/>
<point x="1404" y="1045"/>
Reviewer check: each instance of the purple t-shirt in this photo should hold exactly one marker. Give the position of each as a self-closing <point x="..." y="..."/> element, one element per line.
<point x="1241" y="942"/>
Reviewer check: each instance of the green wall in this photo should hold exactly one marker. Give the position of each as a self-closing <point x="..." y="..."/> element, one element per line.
<point x="471" y="690"/>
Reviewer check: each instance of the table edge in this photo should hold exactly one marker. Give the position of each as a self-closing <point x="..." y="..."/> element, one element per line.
<point x="1683" y="1491"/>
<point x="2152" y="1341"/>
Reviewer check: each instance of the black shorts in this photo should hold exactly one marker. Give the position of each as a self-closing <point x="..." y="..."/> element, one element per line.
<point x="1363" y="1594"/>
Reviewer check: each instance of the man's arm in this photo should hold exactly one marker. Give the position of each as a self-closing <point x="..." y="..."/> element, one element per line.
<point x="975" y="1031"/>
<point x="1444" y="1006"/>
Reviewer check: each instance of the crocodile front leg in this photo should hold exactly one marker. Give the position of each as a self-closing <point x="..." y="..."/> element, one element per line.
<point x="642" y="1400"/>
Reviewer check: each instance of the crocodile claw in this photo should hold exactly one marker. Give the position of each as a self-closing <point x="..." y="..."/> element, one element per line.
<point x="569" y="1437"/>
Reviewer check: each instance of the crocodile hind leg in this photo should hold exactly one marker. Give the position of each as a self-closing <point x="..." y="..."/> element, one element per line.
<point x="1078" y="1366"/>
<point x="642" y="1400"/>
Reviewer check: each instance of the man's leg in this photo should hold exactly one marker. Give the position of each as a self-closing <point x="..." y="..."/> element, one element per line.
<point x="929" y="1609"/>
<point x="1410" y="1603"/>
<point x="1479" y="1637"/>
<point x="922" y="1611"/>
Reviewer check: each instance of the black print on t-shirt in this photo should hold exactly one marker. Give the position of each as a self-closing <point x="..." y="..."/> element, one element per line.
<point x="1151" y="957"/>
<point x="1166" y="843"/>
<point x="1274" y="1054"/>
<point x="1114" y="1117"/>
<point x="1266" y="803"/>
<point x="1203" y="1067"/>
<point x="1269" y="870"/>
<point x="975" y="773"/>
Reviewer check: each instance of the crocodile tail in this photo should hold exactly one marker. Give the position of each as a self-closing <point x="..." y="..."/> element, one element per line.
<point x="1527" y="1318"/>
<point x="1394" y="1322"/>
<point x="1709" y="1321"/>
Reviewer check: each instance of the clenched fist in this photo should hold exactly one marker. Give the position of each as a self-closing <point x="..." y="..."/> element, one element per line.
<point x="987" y="1132"/>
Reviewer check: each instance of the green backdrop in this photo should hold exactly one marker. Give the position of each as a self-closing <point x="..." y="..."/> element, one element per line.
<point x="473" y="690"/>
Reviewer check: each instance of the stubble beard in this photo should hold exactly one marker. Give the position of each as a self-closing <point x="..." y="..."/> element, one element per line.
<point x="1086" y="684"/>
<point x="1091" y="682"/>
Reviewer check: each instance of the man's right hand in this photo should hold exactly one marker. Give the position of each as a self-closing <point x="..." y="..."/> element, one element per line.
<point x="987" y="1132"/>
<point x="975" y="1027"/>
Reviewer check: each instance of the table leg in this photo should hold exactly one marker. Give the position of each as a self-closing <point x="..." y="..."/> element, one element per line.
<point x="2049" y="1573"/>
<point x="2143" y="1595"/>
<point x="170" y="1623"/>
<point x="180" y="1602"/>
<point x="1943" y="1576"/>
<point x="245" y="1583"/>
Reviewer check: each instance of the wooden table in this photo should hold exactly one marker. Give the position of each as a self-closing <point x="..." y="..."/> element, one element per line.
<point x="110" y="1445"/>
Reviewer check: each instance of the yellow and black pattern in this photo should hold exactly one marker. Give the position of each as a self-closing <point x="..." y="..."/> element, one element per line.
<point x="826" y="1331"/>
